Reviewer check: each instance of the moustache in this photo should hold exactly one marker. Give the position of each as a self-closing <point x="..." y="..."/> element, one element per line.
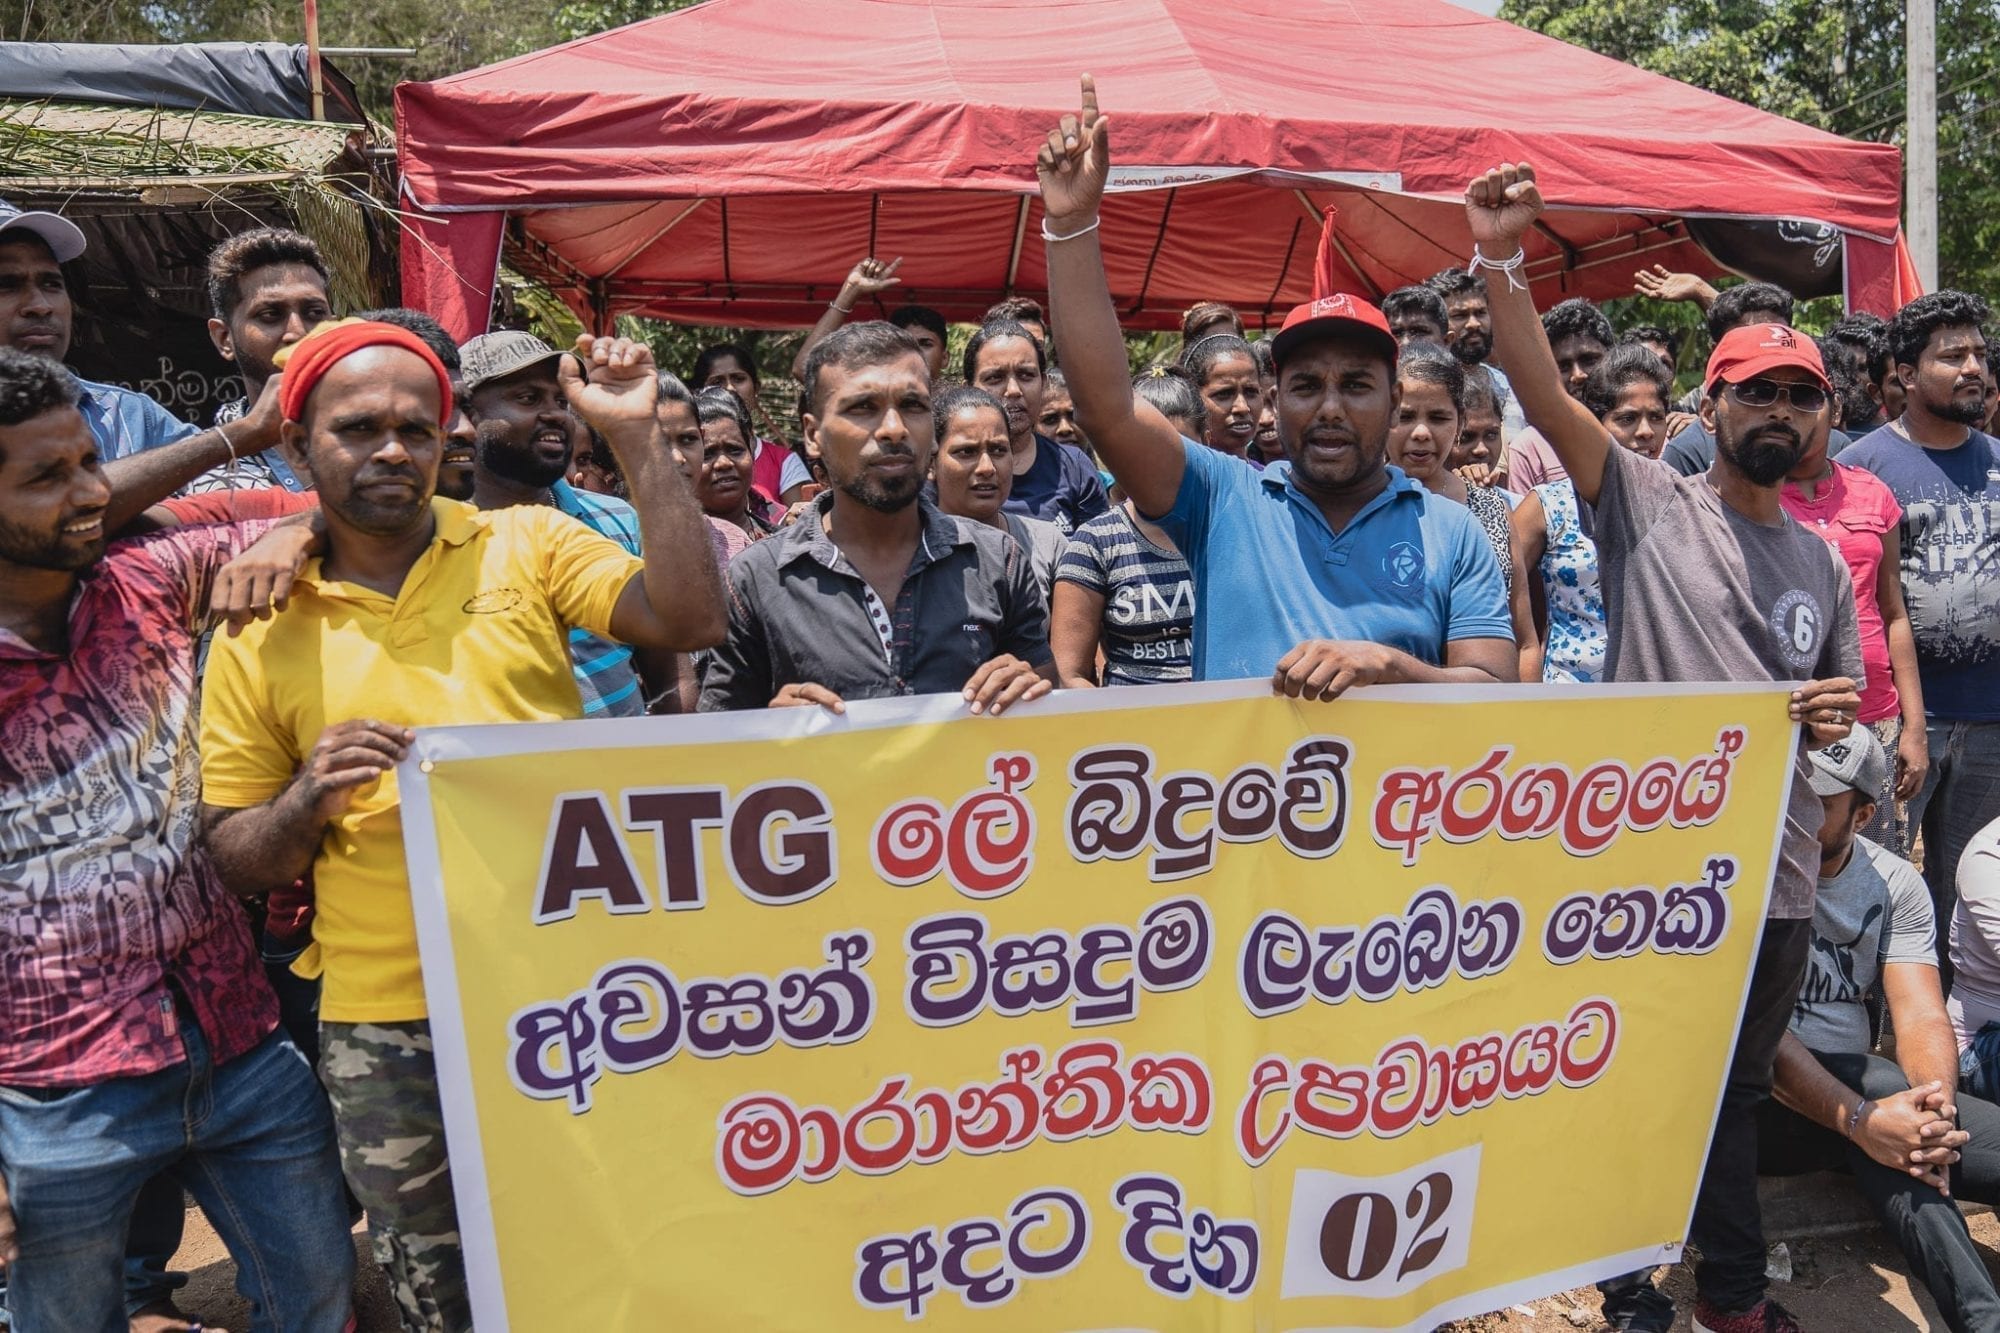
<point x="379" y="475"/>
<point x="1775" y="431"/>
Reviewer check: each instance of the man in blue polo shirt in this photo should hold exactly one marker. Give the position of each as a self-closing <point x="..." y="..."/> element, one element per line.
<point x="525" y="437"/>
<point x="1328" y="570"/>
<point x="35" y="317"/>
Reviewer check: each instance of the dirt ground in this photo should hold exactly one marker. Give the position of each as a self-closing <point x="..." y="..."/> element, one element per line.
<point x="1843" y="1284"/>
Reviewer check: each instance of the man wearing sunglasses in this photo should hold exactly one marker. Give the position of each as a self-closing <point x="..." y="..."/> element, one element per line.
<point x="1706" y="578"/>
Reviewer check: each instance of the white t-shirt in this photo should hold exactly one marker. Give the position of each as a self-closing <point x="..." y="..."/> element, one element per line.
<point x="1975" y="938"/>
<point x="796" y="473"/>
<point x="1875" y="912"/>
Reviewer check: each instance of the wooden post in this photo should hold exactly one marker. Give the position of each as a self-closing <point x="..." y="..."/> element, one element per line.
<point x="1920" y="160"/>
<point x="312" y="60"/>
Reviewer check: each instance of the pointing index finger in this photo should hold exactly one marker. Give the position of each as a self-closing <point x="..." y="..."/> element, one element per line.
<point x="1089" y="99"/>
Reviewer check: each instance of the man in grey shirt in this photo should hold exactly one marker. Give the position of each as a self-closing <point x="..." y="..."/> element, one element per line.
<point x="1706" y="579"/>
<point x="1909" y="1138"/>
<point x="875" y="592"/>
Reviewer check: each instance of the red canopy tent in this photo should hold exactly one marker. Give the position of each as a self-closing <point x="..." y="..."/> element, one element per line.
<point x="728" y="163"/>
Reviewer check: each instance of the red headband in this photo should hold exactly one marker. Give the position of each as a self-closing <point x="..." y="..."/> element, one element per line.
<point x="312" y="356"/>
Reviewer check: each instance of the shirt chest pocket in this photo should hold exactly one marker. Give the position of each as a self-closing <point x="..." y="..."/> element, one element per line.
<point x="1856" y="526"/>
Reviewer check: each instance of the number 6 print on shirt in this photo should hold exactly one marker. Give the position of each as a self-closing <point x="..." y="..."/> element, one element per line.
<point x="1380" y="1235"/>
<point x="1797" y="621"/>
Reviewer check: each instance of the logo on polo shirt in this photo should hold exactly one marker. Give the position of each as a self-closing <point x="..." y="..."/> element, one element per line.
<point x="492" y="601"/>
<point x="1800" y="624"/>
<point x="1403" y="566"/>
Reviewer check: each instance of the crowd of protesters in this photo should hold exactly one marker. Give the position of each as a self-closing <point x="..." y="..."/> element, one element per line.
<point x="215" y="645"/>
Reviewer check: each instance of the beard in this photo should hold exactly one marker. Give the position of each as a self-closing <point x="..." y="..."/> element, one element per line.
<point x="1359" y="461"/>
<point x="49" y="550"/>
<point x="384" y="516"/>
<point x="1955" y="408"/>
<point x="1858" y="411"/>
<point x="499" y="453"/>
<point x="1472" y="349"/>
<point x="884" y="495"/>
<point x="254" y="369"/>
<point x="1765" y="455"/>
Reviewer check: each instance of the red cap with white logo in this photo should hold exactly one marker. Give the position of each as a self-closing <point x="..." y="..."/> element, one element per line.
<point x="1745" y="353"/>
<point x="1338" y="315"/>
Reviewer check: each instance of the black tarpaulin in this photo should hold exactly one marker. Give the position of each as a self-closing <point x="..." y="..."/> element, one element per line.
<point x="249" y="78"/>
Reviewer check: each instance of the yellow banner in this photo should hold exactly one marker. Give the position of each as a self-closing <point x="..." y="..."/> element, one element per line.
<point x="1184" y="1008"/>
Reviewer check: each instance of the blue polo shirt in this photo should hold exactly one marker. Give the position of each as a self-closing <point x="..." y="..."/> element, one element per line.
<point x="606" y="678"/>
<point x="126" y="422"/>
<point x="1410" y="571"/>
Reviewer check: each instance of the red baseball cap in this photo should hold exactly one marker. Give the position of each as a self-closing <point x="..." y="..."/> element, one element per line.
<point x="1338" y="314"/>
<point x="1745" y="353"/>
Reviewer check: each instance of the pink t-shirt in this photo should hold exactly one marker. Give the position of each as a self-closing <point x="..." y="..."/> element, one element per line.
<point x="767" y="470"/>
<point x="1852" y="511"/>
<point x="1531" y="460"/>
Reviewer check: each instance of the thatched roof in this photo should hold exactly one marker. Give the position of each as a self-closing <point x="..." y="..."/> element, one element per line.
<point x="325" y="178"/>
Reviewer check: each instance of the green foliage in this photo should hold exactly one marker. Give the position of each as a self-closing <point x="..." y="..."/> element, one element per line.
<point x="1834" y="64"/>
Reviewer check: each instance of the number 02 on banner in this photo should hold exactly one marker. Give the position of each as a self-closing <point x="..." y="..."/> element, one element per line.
<point x="1380" y="1235"/>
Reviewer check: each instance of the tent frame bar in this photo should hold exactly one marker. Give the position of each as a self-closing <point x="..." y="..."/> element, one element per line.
<point x="1020" y="238"/>
<point x="651" y="241"/>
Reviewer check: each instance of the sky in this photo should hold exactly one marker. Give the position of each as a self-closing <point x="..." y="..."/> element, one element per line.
<point x="1483" y="6"/>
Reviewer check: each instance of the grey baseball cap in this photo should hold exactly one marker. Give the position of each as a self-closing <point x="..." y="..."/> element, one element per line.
<point x="63" y="236"/>
<point x="1856" y="763"/>
<point x="493" y="356"/>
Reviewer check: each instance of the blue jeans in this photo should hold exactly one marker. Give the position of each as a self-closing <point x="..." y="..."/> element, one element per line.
<point x="1979" y="1064"/>
<point x="1960" y="796"/>
<point x="252" y="1140"/>
<point x="157" y="1221"/>
<point x="298" y="997"/>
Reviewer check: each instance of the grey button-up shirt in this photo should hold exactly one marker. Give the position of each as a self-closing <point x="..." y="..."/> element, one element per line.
<point x="798" y="614"/>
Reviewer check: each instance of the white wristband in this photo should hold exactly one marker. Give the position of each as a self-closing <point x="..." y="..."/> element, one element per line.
<point x="1507" y="266"/>
<point x="1052" y="238"/>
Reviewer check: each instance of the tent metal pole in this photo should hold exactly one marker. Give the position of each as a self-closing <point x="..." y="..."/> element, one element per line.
<point x="1570" y="254"/>
<point x="1159" y="240"/>
<point x="1020" y="238"/>
<point x="652" y="240"/>
<point x="1284" y="271"/>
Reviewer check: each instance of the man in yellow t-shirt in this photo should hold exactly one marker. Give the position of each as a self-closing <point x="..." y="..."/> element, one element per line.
<point x="419" y="612"/>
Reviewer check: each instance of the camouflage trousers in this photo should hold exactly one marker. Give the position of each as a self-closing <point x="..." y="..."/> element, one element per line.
<point x="383" y="1084"/>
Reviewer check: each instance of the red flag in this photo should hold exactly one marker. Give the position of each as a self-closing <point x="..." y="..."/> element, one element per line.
<point x="1327" y="262"/>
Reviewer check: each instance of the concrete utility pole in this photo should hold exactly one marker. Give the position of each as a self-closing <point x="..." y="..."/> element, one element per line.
<point x="1920" y="161"/>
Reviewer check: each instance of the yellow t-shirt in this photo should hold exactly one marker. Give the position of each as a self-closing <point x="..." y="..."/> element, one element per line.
<point x="479" y="633"/>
